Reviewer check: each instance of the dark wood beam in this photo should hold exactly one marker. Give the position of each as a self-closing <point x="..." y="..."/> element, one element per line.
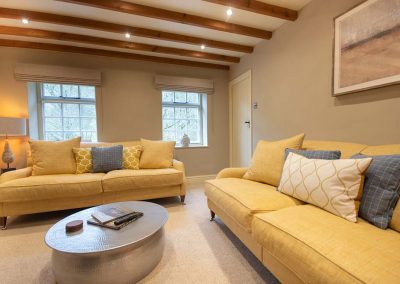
<point x="121" y="29"/>
<point x="107" y="53"/>
<point x="37" y="33"/>
<point x="259" y="8"/>
<point x="172" y="16"/>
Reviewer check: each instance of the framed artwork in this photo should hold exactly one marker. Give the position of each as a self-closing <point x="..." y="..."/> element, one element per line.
<point x="367" y="47"/>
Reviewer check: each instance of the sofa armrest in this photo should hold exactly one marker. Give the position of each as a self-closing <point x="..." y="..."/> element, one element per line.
<point x="232" y="173"/>
<point x="178" y="165"/>
<point x="21" y="173"/>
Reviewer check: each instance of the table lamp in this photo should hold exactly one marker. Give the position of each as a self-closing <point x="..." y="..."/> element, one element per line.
<point x="10" y="127"/>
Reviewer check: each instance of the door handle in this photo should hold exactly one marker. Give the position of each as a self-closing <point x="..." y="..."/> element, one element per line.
<point x="248" y="123"/>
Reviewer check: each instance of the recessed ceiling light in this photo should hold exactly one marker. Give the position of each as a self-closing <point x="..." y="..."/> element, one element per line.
<point x="128" y="35"/>
<point x="203" y="46"/>
<point x="25" y="21"/>
<point x="229" y="12"/>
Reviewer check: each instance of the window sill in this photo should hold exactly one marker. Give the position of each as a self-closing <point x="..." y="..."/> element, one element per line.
<point x="191" y="146"/>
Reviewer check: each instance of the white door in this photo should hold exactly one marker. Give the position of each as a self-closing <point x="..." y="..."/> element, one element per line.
<point x="240" y="120"/>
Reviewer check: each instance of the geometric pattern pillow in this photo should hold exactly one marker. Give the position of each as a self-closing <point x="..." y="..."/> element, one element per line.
<point x="131" y="157"/>
<point x="315" y="154"/>
<point x="381" y="189"/>
<point x="83" y="157"/>
<point x="106" y="159"/>
<point x="332" y="185"/>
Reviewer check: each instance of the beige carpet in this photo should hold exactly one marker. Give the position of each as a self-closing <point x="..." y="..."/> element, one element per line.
<point x="197" y="250"/>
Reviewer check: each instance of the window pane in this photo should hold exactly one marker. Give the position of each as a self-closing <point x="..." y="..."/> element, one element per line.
<point x="71" y="124"/>
<point x="53" y="136"/>
<point x="52" y="109"/>
<point x="180" y="112"/>
<point x="51" y="90"/>
<point x="70" y="91"/>
<point x="70" y="110"/>
<point x="53" y="124"/>
<point x="70" y="135"/>
<point x="88" y="110"/>
<point x="194" y="130"/>
<point x="88" y="124"/>
<point x="193" y="98"/>
<point x="168" y="97"/>
<point x="169" y="124"/>
<point x="193" y="113"/>
<point x="180" y="97"/>
<point x="181" y="129"/>
<point x="169" y="135"/>
<point x="168" y="112"/>
<point x="89" y="136"/>
<point x="87" y="92"/>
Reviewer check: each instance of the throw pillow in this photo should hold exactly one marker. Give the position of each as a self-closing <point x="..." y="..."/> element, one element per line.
<point x="315" y="154"/>
<point x="131" y="157"/>
<point x="332" y="185"/>
<point x="53" y="157"/>
<point x="268" y="158"/>
<point x="83" y="158"/>
<point x="107" y="159"/>
<point x="157" y="154"/>
<point x="381" y="189"/>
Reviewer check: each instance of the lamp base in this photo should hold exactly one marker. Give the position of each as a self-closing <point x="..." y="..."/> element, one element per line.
<point x="7" y="170"/>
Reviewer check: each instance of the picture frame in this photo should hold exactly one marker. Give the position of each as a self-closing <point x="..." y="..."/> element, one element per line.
<point x="366" y="52"/>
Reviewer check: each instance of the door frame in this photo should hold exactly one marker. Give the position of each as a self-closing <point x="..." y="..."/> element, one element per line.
<point x="245" y="75"/>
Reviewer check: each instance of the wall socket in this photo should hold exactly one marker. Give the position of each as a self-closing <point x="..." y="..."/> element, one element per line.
<point x="255" y="105"/>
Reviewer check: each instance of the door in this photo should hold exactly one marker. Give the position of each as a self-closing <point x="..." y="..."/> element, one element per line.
<point x="240" y="120"/>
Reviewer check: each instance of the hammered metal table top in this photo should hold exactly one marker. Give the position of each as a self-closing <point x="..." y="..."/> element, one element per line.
<point x="95" y="239"/>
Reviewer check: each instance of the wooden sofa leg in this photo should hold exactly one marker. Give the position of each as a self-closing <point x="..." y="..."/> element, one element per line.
<point x="183" y="199"/>
<point x="212" y="215"/>
<point x="3" y="223"/>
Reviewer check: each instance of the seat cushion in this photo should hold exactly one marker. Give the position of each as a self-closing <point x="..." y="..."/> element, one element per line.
<point x="320" y="247"/>
<point x="50" y="187"/>
<point x="241" y="198"/>
<point x="134" y="179"/>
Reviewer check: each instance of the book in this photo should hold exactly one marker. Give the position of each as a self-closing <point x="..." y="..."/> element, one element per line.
<point x="106" y="215"/>
<point x="118" y="223"/>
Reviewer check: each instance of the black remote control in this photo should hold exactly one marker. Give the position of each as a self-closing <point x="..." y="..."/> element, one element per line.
<point x="128" y="218"/>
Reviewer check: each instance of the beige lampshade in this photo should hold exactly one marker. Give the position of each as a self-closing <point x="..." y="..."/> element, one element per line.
<point x="12" y="126"/>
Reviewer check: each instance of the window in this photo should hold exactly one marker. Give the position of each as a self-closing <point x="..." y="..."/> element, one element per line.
<point x="67" y="111"/>
<point x="184" y="113"/>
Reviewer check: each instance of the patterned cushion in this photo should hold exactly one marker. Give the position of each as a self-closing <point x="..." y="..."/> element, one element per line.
<point x="315" y="154"/>
<point x="381" y="189"/>
<point x="332" y="185"/>
<point x="131" y="156"/>
<point x="83" y="157"/>
<point x="107" y="159"/>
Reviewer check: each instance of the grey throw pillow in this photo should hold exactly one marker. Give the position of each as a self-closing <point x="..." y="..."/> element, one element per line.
<point x="107" y="159"/>
<point x="381" y="189"/>
<point x="315" y="154"/>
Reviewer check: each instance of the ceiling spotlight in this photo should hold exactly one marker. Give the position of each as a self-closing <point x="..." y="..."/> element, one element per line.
<point x="25" y="21"/>
<point x="203" y="46"/>
<point x="229" y="12"/>
<point x="128" y="35"/>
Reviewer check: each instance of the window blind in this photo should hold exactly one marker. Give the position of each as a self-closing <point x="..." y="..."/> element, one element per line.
<point x="170" y="83"/>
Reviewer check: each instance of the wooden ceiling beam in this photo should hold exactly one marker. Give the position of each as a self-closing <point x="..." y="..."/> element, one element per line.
<point x="117" y="28"/>
<point x="107" y="53"/>
<point x="172" y="16"/>
<point x="259" y="8"/>
<point x="38" y="33"/>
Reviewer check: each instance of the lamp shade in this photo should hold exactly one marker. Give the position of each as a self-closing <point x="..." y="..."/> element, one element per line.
<point x="12" y="126"/>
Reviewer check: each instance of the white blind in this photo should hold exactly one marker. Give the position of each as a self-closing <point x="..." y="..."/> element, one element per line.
<point x="170" y="83"/>
<point x="57" y="74"/>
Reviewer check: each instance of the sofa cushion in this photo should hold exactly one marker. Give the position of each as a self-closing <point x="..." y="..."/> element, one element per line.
<point x="50" y="187"/>
<point x="157" y="154"/>
<point x="107" y="159"/>
<point x="241" y="199"/>
<point x="347" y="149"/>
<point x="320" y="247"/>
<point x="391" y="149"/>
<point x="135" y="179"/>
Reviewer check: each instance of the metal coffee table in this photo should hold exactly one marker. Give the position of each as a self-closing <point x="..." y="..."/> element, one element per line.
<point x="100" y="255"/>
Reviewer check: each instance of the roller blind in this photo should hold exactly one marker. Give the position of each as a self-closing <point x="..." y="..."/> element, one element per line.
<point x="170" y="83"/>
<point x="57" y="74"/>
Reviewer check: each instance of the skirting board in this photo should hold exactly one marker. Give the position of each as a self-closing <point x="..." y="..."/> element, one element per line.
<point x="199" y="179"/>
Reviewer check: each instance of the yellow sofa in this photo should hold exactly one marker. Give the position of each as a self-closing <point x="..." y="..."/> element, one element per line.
<point x="300" y="243"/>
<point x="22" y="193"/>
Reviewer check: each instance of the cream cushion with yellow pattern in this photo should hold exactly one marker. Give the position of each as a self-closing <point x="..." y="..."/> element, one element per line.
<point x="268" y="158"/>
<point x="131" y="157"/>
<point x="83" y="157"/>
<point x="332" y="185"/>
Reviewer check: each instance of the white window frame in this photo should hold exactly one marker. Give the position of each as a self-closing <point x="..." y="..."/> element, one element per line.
<point x="47" y="99"/>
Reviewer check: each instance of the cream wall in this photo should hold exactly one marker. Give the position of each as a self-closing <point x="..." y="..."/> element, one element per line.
<point x="131" y="106"/>
<point x="292" y="84"/>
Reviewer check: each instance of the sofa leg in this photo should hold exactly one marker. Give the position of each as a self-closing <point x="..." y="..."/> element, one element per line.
<point x="3" y="223"/>
<point x="212" y="215"/>
<point x="183" y="199"/>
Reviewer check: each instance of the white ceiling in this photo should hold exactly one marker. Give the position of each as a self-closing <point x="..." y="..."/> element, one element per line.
<point x="195" y="7"/>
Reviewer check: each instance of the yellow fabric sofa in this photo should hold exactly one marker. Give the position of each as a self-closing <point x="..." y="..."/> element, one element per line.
<point x="21" y="193"/>
<point x="301" y="243"/>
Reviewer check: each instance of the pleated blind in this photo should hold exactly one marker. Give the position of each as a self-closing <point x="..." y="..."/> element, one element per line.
<point x="171" y="83"/>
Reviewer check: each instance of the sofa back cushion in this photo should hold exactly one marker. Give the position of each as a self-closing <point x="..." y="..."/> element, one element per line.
<point x="157" y="154"/>
<point x="347" y="149"/>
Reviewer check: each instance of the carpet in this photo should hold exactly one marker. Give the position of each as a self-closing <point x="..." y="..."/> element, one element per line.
<point x="196" y="251"/>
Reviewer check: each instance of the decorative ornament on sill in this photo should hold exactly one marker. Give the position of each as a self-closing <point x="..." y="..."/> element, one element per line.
<point x="8" y="156"/>
<point x="185" y="141"/>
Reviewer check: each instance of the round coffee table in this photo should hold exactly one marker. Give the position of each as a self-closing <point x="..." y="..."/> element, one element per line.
<point x="101" y="255"/>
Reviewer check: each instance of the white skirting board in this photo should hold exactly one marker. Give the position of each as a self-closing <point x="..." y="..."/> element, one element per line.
<point x="199" y="179"/>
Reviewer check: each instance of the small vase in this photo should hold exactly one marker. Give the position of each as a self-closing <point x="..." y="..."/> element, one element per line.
<point x="185" y="141"/>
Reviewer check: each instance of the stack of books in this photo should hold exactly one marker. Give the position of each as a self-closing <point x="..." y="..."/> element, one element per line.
<point x="113" y="217"/>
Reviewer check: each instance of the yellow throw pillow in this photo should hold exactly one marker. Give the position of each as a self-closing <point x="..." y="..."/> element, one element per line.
<point x="53" y="157"/>
<point x="332" y="185"/>
<point x="268" y="158"/>
<point x="156" y="154"/>
<point x="131" y="157"/>
<point x="83" y="158"/>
